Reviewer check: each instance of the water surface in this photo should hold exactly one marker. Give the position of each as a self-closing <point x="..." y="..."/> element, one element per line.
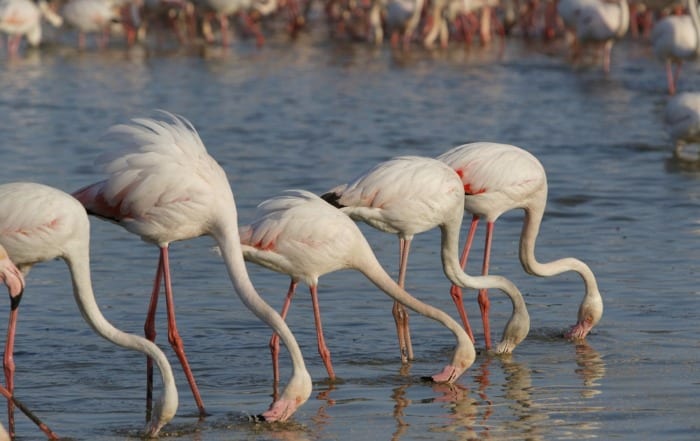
<point x="312" y="114"/>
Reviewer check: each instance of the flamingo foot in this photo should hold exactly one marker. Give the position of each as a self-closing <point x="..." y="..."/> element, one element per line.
<point x="448" y="375"/>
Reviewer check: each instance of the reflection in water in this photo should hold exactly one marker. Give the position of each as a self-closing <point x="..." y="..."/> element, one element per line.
<point x="591" y="369"/>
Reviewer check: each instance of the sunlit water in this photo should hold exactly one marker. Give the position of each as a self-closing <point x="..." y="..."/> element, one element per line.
<point x="312" y="114"/>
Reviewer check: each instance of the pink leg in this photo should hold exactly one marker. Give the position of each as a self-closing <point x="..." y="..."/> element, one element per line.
<point x="399" y="311"/>
<point x="483" y="293"/>
<point x="456" y="291"/>
<point x="173" y="334"/>
<point x="9" y="367"/>
<point x="670" y="78"/>
<point x="149" y="329"/>
<point x="275" y="340"/>
<point x="322" y="348"/>
<point x="223" y="22"/>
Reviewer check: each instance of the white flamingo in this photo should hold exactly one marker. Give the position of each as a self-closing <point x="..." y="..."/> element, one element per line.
<point x="300" y="234"/>
<point x="22" y="18"/>
<point x="409" y="195"/>
<point x="400" y="17"/>
<point x="676" y="38"/>
<point x="501" y="177"/>
<point x="596" y="23"/>
<point x="91" y="16"/>
<point x="40" y="223"/>
<point x="163" y="186"/>
<point x="683" y="122"/>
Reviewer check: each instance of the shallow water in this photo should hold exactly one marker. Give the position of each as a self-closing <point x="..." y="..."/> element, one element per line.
<point x="312" y="114"/>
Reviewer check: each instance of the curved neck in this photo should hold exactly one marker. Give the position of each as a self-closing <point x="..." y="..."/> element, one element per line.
<point x="226" y="236"/>
<point x="624" y="23"/>
<point x="453" y="270"/>
<point x="78" y="262"/>
<point x="372" y="269"/>
<point x="531" y="228"/>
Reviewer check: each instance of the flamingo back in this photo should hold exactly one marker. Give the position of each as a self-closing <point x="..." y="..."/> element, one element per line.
<point x="162" y="184"/>
<point x="406" y="195"/>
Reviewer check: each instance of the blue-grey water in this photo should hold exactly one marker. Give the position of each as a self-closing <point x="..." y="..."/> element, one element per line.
<point x="311" y="114"/>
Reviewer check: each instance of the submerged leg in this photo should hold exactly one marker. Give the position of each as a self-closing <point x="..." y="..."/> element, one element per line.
<point x="322" y="348"/>
<point x="483" y="298"/>
<point x="174" y="336"/>
<point x="149" y="328"/>
<point x="275" y="340"/>
<point x="399" y="311"/>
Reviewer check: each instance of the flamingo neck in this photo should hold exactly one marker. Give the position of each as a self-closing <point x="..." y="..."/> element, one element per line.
<point x="531" y="228"/>
<point x="227" y="238"/>
<point x="78" y="261"/>
<point x="453" y="271"/>
<point x="372" y="269"/>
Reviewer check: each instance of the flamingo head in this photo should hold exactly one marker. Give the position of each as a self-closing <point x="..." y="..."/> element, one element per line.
<point x="515" y="331"/>
<point x="11" y="277"/>
<point x="163" y="412"/>
<point x="297" y="392"/>
<point x="589" y="314"/>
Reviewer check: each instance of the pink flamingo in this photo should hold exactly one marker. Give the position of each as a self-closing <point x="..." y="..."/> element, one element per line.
<point x="40" y="223"/>
<point x="409" y="195"/>
<point x="676" y="38"/>
<point x="301" y="235"/>
<point x="163" y="186"/>
<point x="501" y="177"/>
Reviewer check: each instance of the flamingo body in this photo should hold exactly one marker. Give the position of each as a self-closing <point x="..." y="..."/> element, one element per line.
<point x="300" y="234"/>
<point x="683" y="120"/>
<point x="677" y="39"/>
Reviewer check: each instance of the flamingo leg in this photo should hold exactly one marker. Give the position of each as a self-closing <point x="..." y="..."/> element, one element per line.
<point x="149" y="329"/>
<point x="677" y="75"/>
<point x="483" y="298"/>
<point x="322" y="348"/>
<point x="399" y="311"/>
<point x="9" y="367"/>
<point x="275" y="340"/>
<point x="670" y="78"/>
<point x="173" y="334"/>
<point x="456" y="291"/>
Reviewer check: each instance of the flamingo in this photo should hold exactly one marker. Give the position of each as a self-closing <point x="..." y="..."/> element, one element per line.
<point x="501" y="177"/>
<point x="596" y="22"/>
<point x="676" y="38"/>
<point x="408" y="195"/>
<point x="300" y="234"/>
<point x="22" y="18"/>
<point x="683" y="121"/>
<point x="399" y="17"/>
<point x="222" y="10"/>
<point x="91" y="16"/>
<point x="39" y="223"/>
<point x="163" y="186"/>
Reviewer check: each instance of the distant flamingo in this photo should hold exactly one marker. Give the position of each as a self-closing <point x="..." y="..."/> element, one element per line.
<point x="40" y="223"/>
<point x="409" y="195"/>
<point x="498" y="178"/>
<point x="300" y="234"/>
<point x="597" y="23"/>
<point x="683" y="122"/>
<point x="163" y="186"/>
<point x="91" y="16"/>
<point x="677" y="38"/>
<point x="22" y="18"/>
